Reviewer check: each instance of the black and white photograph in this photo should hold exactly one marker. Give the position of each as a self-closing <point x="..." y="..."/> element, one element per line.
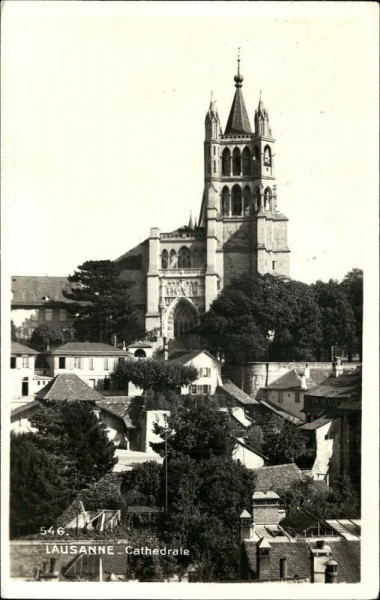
<point x="190" y="299"/>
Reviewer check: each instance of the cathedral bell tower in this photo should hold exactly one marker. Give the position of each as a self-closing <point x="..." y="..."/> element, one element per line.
<point x="245" y="231"/>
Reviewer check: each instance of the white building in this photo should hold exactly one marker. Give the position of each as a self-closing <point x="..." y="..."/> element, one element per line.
<point x="209" y="370"/>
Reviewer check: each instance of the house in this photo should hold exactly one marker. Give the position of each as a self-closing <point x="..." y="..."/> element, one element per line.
<point x="246" y="455"/>
<point x="338" y="444"/>
<point x="209" y="371"/>
<point x="114" y="414"/>
<point x="21" y="417"/>
<point x="40" y="301"/>
<point x="297" y="546"/>
<point x="22" y="365"/>
<point x="92" y="362"/>
<point x="77" y="517"/>
<point x="142" y="349"/>
<point x="287" y="392"/>
<point x="230" y="394"/>
<point x="68" y="386"/>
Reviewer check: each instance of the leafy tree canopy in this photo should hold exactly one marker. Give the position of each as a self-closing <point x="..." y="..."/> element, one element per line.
<point x="352" y="285"/>
<point x="281" y="441"/>
<point x="101" y="303"/>
<point x="155" y="374"/>
<point x="338" y="320"/>
<point x="48" y="335"/>
<point x="263" y="317"/>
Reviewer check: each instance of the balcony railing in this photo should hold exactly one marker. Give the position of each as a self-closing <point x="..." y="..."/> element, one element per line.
<point x="177" y="272"/>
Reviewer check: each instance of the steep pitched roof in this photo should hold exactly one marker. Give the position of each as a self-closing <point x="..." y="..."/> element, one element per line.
<point x="118" y="408"/>
<point x="67" y="386"/>
<point x="346" y="553"/>
<point x="88" y="349"/>
<point x="281" y="413"/>
<point x="17" y="348"/>
<point x="347" y="385"/>
<point x="298" y="520"/>
<point x="38" y="290"/>
<point x="316" y="424"/>
<point x="185" y="356"/>
<point x="277" y="477"/>
<point x="238" y="120"/>
<point x="236" y="393"/>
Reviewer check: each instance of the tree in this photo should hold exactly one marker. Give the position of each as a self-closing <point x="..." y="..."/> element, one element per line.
<point x="100" y="303"/>
<point x="14" y="332"/>
<point x="262" y="317"/>
<point x="75" y="433"/>
<point x="155" y="374"/>
<point x="338" y="319"/>
<point x="39" y="486"/>
<point x="48" y="335"/>
<point x="283" y="442"/>
<point x="352" y="285"/>
<point x="199" y="431"/>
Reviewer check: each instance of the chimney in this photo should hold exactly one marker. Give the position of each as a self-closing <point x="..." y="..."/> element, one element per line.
<point x="320" y="554"/>
<point x="283" y="568"/>
<point x="331" y="574"/>
<point x="337" y="368"/>
<point x="245" y="526"/>
<point x="263" y="549"/>
<point x="124" y="346"/>
<point x="266" y="508"/>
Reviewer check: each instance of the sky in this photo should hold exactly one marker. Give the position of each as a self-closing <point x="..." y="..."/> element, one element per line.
<point x="103" y="124"/>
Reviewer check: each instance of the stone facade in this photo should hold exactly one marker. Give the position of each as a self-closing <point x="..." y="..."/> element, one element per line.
<point x="240" y="230"/>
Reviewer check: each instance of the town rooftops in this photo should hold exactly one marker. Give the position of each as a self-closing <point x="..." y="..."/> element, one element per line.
<point x="269" y="495"/>
<point x="320" y="422"/>
<point x="67" y="386"/>
<point x="186" y="356"/>
<point x="118" y="408"/>
<point x="296" y="551"/>
<point x="277" y="477"/>
<point x="347" y="385"/>
<point x="243" y="443"/>
<point x="236" y="393"/>
<point x="88" y="349"/>
<point x="36" y="290"/>
<point x="25" y="408"/>
<point x="298" y="520"/>
<point x="281" y="413"/>
<point x="17" y="348"/>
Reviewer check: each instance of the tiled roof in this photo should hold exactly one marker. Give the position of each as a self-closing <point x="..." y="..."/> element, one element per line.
<point x="89" y="349"/>
<point x="119" y="408"/>
<point x="242" y="442"/>
<point x="281" y="413"/>
<point x="17" y="348"/>
<point x="268" y="495"/>
<point x="347" y="385"/>
<point x="24" y="408"/>
<point x="141" y="345"/>
<point x="67" y="386"/>
<point x="185" y="356"/>
<point x="33" y="290"/>
<point x="277" y="476"/>
<point x="346" y="553"/>
<point x="299" y="520"/>
<point x="235" y="392"/>
<point x="316" y="424"/>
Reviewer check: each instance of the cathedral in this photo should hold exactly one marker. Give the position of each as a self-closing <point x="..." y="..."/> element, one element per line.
<point x="178" y="274"/>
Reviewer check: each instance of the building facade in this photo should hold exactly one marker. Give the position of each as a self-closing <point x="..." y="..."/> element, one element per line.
<point x="240" y="229"/>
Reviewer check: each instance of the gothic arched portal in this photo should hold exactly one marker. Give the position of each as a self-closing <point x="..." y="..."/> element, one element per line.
<point x="182" y="321"/>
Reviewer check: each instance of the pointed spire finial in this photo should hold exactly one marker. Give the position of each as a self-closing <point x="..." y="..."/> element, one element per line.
<point x="191" y="226"/>
<point x="238" y="78"/>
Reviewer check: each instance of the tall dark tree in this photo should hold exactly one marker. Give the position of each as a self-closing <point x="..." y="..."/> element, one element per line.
<point x="74" y="432"/>
<point x="155" y="374"/>
<point x="263" y="317"/>
<point x="352" y="285"/>
<point x="101" y="303"/>
<point x="14" y="332"/>
<point x="282" y="442"/>
<point x="39" y="485"/>
<point x="338" y="319"/>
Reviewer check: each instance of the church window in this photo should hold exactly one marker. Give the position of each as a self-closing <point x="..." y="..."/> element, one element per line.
<point x="226" y="162"/>
<point x="247" y="201"/>
<point x="184" y="258"/>
<point x="164" y="259"/>
<point x="236" y="162"/>
<point x="273" y="265"/>
<point x="214" y="150"/>
<point x="214" y="165"/>
<point x="196" y="258"/>
<point x="267" y="156"/>
<point x="246" y="162"/>
<point x="203" y="259"/>
<point x="236" y="200"/>
<point x="225" y="201"/>
<point x="258" y="199"/>
<point x="173" y="259"/>
<point x="267" y="198"/>
<point x="257" y="153"/>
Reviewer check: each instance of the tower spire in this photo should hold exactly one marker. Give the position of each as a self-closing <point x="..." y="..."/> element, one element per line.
<point x="190" y="225"/>
<point x="238" y="78"/>
<point x="238" y="121"/>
